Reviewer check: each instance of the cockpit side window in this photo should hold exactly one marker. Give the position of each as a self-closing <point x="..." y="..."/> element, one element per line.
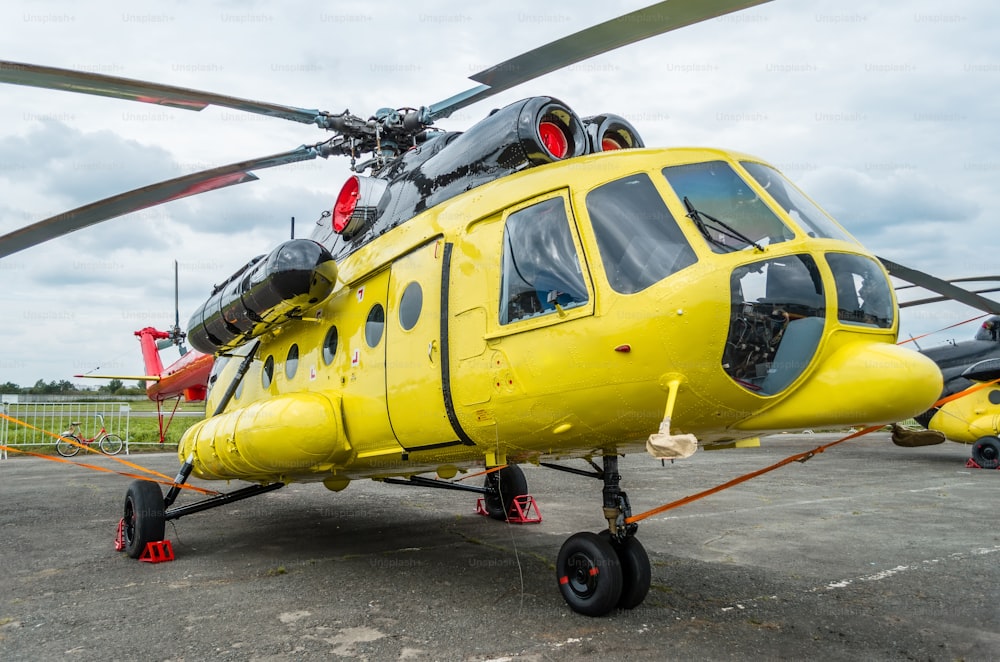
<point x="639" y="240"/>
<point x="863" y="294"/>
<point x="724" y="208"/>
<point x="814" y="221"/>
<point x="541" y="270"/>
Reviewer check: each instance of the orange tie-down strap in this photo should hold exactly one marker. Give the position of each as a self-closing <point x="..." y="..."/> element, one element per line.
<point x="950" y="326"/>
<point x="798" y="457"/>
<point x="159" y="478"/>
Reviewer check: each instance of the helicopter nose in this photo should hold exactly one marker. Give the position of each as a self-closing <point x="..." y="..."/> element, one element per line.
<point x="860" y="382"/>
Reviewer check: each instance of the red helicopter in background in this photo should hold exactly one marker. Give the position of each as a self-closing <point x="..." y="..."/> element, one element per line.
<point x="186" y="378"/>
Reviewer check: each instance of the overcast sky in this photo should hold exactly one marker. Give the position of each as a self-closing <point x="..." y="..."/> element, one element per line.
<point x="887" y="116"/>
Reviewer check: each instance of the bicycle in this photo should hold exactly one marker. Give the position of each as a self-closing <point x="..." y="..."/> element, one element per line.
<point x="109" y="444"/>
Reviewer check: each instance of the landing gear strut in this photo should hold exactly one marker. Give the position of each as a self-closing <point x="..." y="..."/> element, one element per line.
<point x="147" y="510"/>
<point x="599" y="572"/>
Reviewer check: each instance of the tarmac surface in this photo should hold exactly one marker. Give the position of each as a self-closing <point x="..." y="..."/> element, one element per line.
<point x="865" y="552"/>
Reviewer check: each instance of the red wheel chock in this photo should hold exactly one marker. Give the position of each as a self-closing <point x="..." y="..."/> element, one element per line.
<point x="157" y="552"/>
<point x="972" y="464"/>
<point x="119" y="538"/>
<point x="523" y="510"/>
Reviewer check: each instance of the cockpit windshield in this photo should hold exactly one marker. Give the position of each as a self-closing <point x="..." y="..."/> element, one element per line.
<point x="813" y="220"/>
<point x="728" y="213"/>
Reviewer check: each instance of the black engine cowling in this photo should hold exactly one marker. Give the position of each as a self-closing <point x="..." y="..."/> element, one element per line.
<point x="266" y="292"/>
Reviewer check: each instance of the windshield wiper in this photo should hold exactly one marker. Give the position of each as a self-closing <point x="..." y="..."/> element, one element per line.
<point x="720" y="227"/>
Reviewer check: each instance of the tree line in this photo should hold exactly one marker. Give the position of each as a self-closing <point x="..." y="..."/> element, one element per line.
<point x="64" y="387"/>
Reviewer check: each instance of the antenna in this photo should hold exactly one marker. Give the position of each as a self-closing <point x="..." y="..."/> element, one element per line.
<point x="293" y="228"/>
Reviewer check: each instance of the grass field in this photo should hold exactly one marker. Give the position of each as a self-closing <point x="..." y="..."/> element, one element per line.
<point x="142" y="430"/>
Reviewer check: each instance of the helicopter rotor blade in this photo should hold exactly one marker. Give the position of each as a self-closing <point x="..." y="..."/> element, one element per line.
<point x="601" y="38"/>
<point x="968" y="279"/>
<point x="941" y="286"/>
<point x="148" y="196"/>
<point x="84" y="82"/>
<point x="922" y="302"/>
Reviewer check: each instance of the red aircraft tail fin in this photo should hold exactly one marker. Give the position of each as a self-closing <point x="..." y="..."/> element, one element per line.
<point x="150" y="352"/>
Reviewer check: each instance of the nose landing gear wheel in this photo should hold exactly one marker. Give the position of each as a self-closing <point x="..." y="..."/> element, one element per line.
<point x="636" y="573"/>
<point x="589" y="574"/>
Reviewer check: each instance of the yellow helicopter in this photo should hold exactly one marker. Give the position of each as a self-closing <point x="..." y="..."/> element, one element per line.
<point x="969" y="413"/>
<point x="540" y="288"/>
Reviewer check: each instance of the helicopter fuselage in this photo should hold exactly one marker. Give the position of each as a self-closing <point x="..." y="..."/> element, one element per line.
<point x="543" y="314"/>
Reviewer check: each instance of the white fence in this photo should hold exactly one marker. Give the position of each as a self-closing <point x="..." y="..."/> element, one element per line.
<point x="56" y="417"/>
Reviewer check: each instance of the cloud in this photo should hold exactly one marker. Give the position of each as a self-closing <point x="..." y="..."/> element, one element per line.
<point x="893" y="201"/>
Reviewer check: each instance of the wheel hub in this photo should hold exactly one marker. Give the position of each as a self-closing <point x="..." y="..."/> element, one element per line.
<point x="582" y="578"/>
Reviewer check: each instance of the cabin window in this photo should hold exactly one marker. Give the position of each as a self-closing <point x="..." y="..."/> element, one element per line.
<point x="330" y="345"/>
<point x="541" y="270"/>
<point x="863" y="295"/>
<point x="267" y="374"/>
<point x="374" y="325"/>
<point x="728" y="213"/>
<point x="639" y="240"/>
<point x="292" y="361"/>
<point x="814" y="221"/>
<point x="409" y="305"/>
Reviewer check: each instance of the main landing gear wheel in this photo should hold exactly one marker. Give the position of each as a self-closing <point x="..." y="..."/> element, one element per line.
<point x="506" y="484"/>
<point x="636" y="573"/>
<point x="986" y="452"/>
<point x="589" y="574"/>
<point x="144" y="520"/>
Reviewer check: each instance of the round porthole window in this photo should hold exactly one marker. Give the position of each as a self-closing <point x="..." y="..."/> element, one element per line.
<point x="409" y="305"/>
<point x="374" y="325"/>
<point x="330" y="345"/>
<point x="292" y="361"/>
<point x="267" y="374"/>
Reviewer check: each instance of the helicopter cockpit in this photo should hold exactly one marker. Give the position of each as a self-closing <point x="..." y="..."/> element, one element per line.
<point x="778" y="305"/>
<point x="989" y="330"/>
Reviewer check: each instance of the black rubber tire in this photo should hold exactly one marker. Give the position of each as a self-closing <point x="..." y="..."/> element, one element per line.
<point x="986" y="452"/>
<point x="65" y="448"/>
<point x="589" y="574"/>
<point x="111" y="444"/>
<point x="510" y="483"/>
<point x="636" y="572"/>
<point x="144" y="521"/>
